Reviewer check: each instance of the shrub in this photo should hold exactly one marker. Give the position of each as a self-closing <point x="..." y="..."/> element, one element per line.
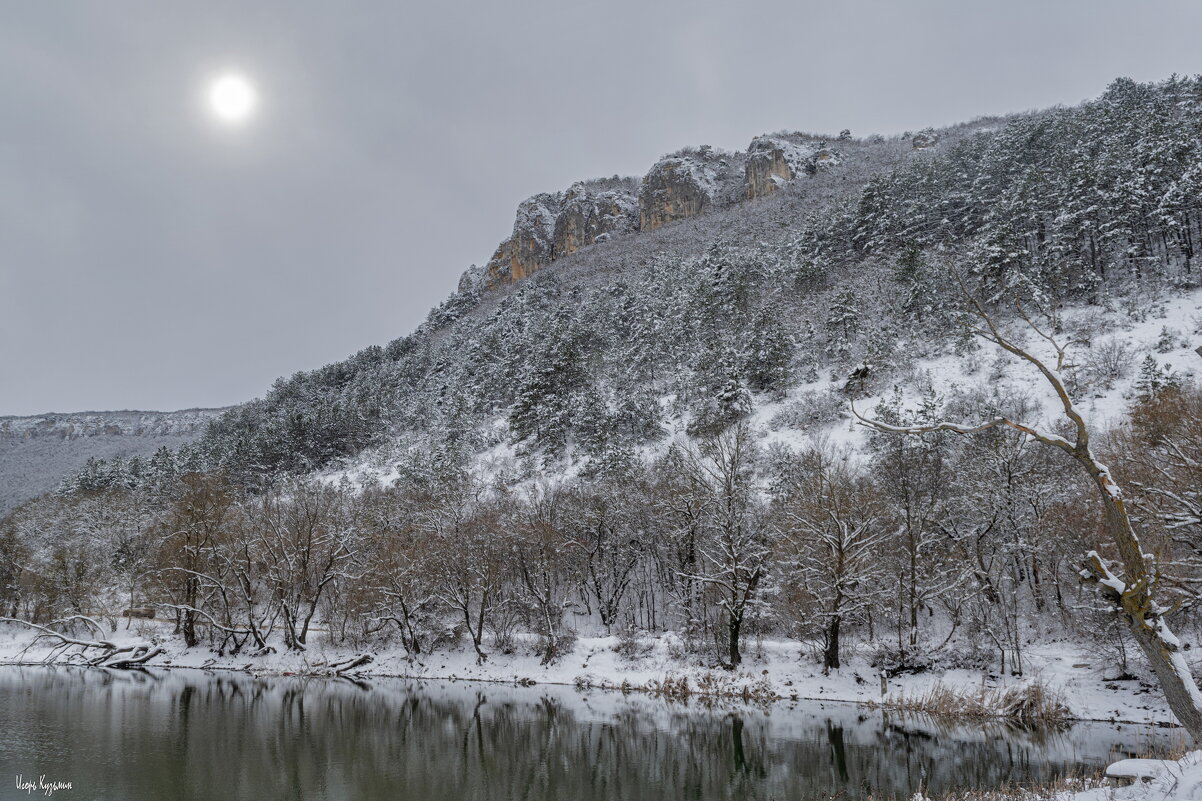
<point x="631" y="646"/>
<point x="1033" y="703"/>
<point x="813" y="408"/>
<point x="1107" y="362"/>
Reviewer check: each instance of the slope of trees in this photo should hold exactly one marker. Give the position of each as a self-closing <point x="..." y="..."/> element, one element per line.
<point x="838" y="275"/>
<point x="932" y="549"/>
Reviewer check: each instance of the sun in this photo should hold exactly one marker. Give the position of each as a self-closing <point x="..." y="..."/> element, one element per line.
<point x="232" y="98"/>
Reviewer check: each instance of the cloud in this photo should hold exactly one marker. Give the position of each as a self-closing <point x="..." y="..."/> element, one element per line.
<point x="150" y="259"/>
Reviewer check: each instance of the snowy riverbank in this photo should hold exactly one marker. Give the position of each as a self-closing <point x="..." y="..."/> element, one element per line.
<point x="1090" y="688"/>
<point x="1132" y="779"/>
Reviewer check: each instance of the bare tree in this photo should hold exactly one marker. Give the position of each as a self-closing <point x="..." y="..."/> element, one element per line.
<point x="914" y="477"/>
<point x="466" y="563"/>
<point x="1004" y="486"/>
<point x="398" y="580"/>
<point x="735" y="552"/>
<point x="1162" y="456"/>
<point x="680" y="513"/>
<point x="599" y="529"/>
<point x="542" y="560"/>
<point x="307" y="539"/>
<point x="198" y="520"/>
<point x="1131" y="583"/>
<point x="831" y="528"/>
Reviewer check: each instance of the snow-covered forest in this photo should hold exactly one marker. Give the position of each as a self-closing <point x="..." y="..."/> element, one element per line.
<point x="940" y="550"/>
<point x="655" y="432"/>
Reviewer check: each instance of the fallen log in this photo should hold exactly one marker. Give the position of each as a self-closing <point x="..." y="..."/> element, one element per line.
<point x="341" y="667"/>
<point x="137" y="658"/>
<point x="109" y="654"/>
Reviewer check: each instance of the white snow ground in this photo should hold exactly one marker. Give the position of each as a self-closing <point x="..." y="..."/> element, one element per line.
<point x="1088" y="685"/>
<point x="1161" y="780"/>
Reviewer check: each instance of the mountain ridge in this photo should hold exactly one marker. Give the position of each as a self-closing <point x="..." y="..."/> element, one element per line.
<point x="680" y="185"/>
<point x="839" y="272"/>
<point x="37" y="451"/>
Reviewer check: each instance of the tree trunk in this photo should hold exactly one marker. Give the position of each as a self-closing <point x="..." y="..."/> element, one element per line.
<point x="476" y="633"/>
<point x="1145" y="617"/>
<point x="1173" y="673"/>
<point x="189" y="628"/>
<point x="734" y="624"/>
<point x="830" y="659"/>
<point x="188" y="624"/>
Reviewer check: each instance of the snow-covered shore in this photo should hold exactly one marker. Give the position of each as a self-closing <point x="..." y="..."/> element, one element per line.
<point x="1147" y="779"/>
<point x="1087" y="686"/>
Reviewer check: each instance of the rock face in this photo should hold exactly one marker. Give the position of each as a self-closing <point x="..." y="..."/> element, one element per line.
<point x="772" y="161"/>
<point x="529" y="249"/>
<point x="684" y="184"/>
<point x="825" y="158"/>
<point x="551" y="226"/>
<point x="681" y="185"/>
<point x="594" y="212"/>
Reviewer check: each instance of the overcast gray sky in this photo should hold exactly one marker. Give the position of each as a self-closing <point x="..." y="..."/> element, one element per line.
<point x="151" y="258"/>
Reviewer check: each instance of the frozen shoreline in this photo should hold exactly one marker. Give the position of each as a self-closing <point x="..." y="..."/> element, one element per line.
<point x="773" y="671"/>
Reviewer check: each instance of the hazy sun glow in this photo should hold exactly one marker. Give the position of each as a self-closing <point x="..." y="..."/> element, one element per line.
<point x="232" y="98"/>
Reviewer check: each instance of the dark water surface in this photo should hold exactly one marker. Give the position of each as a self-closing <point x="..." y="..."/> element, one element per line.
<point x="189" y="734"/>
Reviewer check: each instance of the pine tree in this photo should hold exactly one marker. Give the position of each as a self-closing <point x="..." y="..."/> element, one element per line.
<point x="842" y="323"/>
<point x="1153" y="379"/>
<point x="919" y="298"/>
<point x="769" y="356"/>
<point x="161" y="471"/>
<point x="733" y="401"/>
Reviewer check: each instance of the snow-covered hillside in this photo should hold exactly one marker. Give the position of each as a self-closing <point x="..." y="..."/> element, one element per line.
<point x="646" y="432"/>
<point x="1114" y="347"/>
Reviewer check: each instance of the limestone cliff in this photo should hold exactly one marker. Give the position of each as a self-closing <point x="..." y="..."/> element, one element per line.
<point x="773" y="161"/>
<point x="682" y="185"/>
<point x="530" y="247"/>
<point x="593" y="212"/>
<point x="551" y="226"/>
<point x="554" y="225"/>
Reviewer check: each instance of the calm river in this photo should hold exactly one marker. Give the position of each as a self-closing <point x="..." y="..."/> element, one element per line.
<point x="187" y="734"/>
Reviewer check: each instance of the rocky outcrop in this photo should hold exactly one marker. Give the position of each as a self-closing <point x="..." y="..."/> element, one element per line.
<point x="684" y="184"/>
<point x="530" y="247"/>
<point x="551" y="226"/>
<point x="825" y="158"/>
<point x="773" y="161"/>
<point x="591" y="213"/>
<point x="681" y="185"/>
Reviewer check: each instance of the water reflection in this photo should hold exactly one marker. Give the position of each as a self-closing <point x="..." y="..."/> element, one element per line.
<point x="194" y="735"/>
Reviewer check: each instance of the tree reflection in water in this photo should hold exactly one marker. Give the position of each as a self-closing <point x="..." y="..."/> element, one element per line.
<point x="188" y="734"/>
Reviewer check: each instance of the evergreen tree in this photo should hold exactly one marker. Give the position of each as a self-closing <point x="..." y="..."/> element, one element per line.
<point x="1153" y="380"/>
<point x="769" y="355"/>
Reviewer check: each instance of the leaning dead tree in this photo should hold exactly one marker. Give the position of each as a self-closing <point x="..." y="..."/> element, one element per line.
<point x="93" y="653"/>
<point x="1129" y="584"/>
<point x="341" y="667"/>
